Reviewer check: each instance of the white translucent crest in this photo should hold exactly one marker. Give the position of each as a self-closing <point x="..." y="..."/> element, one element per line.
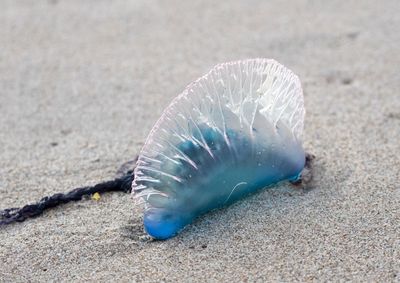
<point x="244" y="87"/>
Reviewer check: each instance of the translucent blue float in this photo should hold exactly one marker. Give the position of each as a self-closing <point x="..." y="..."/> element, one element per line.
<point x="230" y="133"/>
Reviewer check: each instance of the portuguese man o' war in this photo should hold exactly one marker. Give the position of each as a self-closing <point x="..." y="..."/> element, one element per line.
<point x="232" y="132"/>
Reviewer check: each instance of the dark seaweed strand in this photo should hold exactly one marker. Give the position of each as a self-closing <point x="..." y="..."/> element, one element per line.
<point x="307" y="173"/>
<point x="11" y="215"/>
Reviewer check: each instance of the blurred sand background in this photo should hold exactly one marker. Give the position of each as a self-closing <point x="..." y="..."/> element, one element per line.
<point x="82" y="83"/>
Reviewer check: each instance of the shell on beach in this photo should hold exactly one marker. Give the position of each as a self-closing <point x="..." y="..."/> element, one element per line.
<point x="232" y="132"/>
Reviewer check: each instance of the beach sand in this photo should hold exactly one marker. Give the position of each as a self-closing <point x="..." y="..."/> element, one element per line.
<point x="82" y="83"/>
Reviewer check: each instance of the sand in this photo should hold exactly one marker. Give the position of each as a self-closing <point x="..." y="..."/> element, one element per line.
<point x="82" y="83"/>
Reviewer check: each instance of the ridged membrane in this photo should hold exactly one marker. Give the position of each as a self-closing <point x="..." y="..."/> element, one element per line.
<point x="231" y="132"/>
